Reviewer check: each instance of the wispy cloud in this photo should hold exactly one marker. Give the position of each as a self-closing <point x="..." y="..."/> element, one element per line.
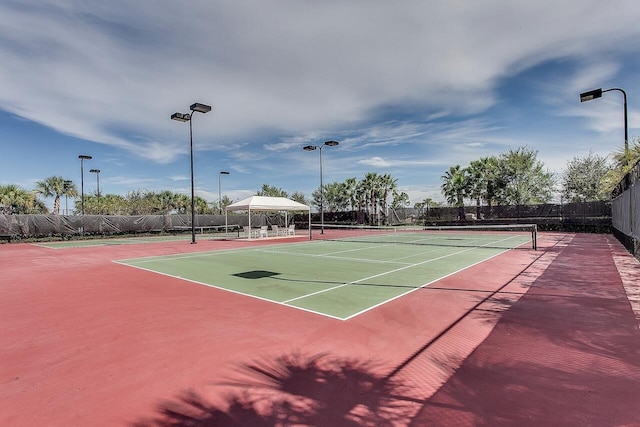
<point x="437" y="86"/>
<point x="380" y="162"/>
<point x="121" y="66"/>
<point x="132" y="182"/>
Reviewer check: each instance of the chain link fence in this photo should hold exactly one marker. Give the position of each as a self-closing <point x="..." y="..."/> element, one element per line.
<point x="626" y="211"/>
<point x="589" y="217"/>
<point x="585" y="216"/>
<point x="17" y="227"/>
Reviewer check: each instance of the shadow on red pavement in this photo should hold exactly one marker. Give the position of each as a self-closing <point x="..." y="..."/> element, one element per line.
<point x="316" y="390"/>
<point x="567" y="353"/>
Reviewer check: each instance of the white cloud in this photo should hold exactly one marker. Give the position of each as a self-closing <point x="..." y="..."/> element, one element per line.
<point x="406" y="90"/>
<point x="132" y="182"/>
<point x="381" y="162"/>
<point x="113" y="72"/>
<point x="376" y="162"/>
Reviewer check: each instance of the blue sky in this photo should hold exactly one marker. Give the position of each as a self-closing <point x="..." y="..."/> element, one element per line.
<point x="407" y="88"/>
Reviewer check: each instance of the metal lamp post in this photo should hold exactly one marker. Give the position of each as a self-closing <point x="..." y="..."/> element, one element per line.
<point x="97" y="172"/>
<point x="312" y="148"/>
<point x="597" y="93"/>
<point x="181" y="117"/>
<point x="82" y="158"/>
<point x="219" y="190"/>
<point x="220" y="200"/>
<point x="67" y="185"/>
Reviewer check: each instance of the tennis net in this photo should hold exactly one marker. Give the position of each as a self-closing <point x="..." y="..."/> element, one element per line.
<point x="491" y="236"/>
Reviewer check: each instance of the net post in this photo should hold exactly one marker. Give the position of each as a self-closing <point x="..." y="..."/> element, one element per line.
<point x="534" y="236"/>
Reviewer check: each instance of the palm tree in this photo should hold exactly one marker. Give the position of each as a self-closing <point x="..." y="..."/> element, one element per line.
<point x="454" y="188"/>
<point x="38" y="207"/>
<point x="388" y="186"/>
<point x="623" y="163"/>
<point x="166" y="201"/>
<point x="16" y="200"/>
<point x="333" y="195"/>
<point x="183" y="203"/>
<point x="360" y="195"/>
<point x="271" y="191"/>
<point x="370" y="187"/>
<point x="201" y="206"/>
<point x="226" y="201"/>
<point x="113" y="204"/>
<point x="295" y="196"/>
<point x="481" y="183"/>
<point x="53" y="186"/>
<point x="69" y="190"/>
<point x="135" y="202"/>
<point x="400" y="200"/>
<point x="92" y="204"/>
<point x="351" y="192"/>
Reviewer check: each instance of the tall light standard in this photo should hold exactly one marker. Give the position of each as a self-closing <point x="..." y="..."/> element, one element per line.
<point x="82" y="158"/>
<point x="181" y="117"/>
<point x="597" y="93"/>
<point x="312" y="148"/>
<point x="97" y="172"/>
<point x="219" y="189"/>
<point x="220" y="199"/>
<point x="67" y="186"/>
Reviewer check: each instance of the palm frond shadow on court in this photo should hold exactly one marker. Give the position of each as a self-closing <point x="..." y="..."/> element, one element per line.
<point x="318" y="390"/>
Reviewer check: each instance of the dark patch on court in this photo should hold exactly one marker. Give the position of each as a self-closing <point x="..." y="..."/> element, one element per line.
<point x="256" y="274"/>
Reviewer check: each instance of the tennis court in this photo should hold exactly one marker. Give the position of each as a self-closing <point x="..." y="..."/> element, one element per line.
<point x="347" y="273"/>
<point x="355" y="327"/>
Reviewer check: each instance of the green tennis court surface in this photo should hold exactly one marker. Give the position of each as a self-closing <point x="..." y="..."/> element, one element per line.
<point x="336" y="278"/>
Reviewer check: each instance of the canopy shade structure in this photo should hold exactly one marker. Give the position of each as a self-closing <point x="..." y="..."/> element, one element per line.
<point x="263" y="203"/>
<point x="268" y="204"/>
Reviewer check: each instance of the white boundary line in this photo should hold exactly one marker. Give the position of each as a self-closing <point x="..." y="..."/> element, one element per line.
<point x="286" y="302"/>
<point x="424" y="285"/>
<point x="384" y="274"/>
<point x="228" y="290"/>
<point x="171" y="257"/>
<point x="327" y="256"/>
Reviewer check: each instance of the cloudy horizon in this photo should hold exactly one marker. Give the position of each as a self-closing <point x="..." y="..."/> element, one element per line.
<point x="407" y="89"/>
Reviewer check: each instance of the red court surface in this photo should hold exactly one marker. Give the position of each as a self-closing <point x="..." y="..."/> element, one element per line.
<point x="545" y="337"/>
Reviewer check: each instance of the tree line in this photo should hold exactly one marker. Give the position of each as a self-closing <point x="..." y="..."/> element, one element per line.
<point x="16" y="200"/>
<point x="373" y="194"/>
<point x="516" y="177"/>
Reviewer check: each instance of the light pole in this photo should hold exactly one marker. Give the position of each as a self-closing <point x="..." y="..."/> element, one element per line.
<point x="82" y="158"/>
<point x="597" y="93"/>
<point x="97" y="172"/>
<point x="67" y="185"/>
<point x="219" y="189"/>
<point x="220" y="200"/>
<point x="181" y="117"/>
<point x="312" y="148"/>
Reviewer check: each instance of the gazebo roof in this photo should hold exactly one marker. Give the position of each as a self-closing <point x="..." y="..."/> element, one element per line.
<point x="264" y="203"/>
